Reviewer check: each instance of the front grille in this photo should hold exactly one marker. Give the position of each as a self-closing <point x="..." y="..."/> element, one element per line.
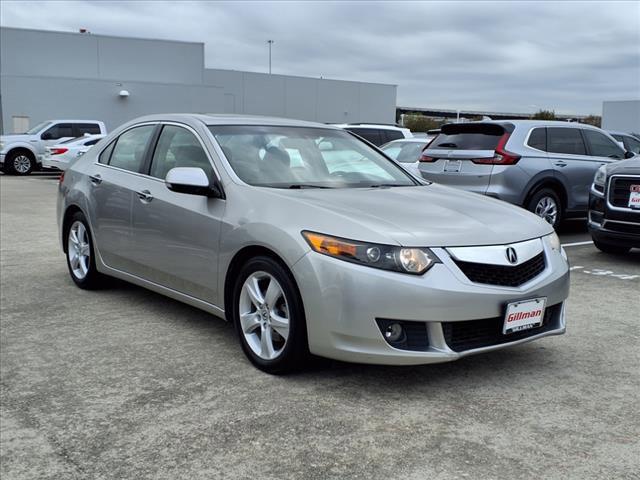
<point x="632" y="228"/>
<point x="472" y="334"/>
<point x="620" y="189"/>
<point x="506" y="276"/>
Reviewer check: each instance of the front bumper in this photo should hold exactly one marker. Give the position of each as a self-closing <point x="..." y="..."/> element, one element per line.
<point x="343" y="302"/>
<point x="619" y="227"/>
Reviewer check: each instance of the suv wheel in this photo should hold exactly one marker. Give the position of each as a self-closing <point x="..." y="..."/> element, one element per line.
<point x="269" y="317"/>
<point x="546" y="204"/>
<point x="20" y="163"/>
<point x="608" y="248"/>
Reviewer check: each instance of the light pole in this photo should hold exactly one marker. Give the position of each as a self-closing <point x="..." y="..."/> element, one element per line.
<point x="270" y="42"/>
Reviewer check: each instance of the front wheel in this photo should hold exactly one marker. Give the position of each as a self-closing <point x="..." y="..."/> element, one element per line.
<point x="19" y="163"/>
<point x="546" y="204"/>
<point x="269" y="316"/>
<point x="80" y="254"/>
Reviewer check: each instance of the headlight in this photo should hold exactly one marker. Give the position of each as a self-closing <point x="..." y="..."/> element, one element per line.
<point x="601" y="176"/>
<point x="386" y="257"/>
<point x="554" y="242"/>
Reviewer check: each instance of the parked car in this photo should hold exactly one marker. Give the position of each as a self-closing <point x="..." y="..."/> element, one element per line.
<point x="629" y="141"/>
<point x="377" y="134"/>
<point x="407" y="152"/>
<point x="544" y="166"/>
<point x="20" y="154"/>
<point x="614" y="207"/>
<point x="254" y="219"/>
<point x="59" y="156"/>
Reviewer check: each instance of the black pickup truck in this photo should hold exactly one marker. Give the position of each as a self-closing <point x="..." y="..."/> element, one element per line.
<point x="614" y="206"/>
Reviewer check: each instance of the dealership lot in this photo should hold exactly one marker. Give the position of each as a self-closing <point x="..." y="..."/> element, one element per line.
<point x="124" y="383"/>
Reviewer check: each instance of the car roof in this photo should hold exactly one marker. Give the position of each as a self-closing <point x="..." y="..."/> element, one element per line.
<point x="369" y="125"/>
<point x="540" y="123"/>
<point x="228" y="119"/>
<point x="409" y="140"/>
<point x="616" y="132"/>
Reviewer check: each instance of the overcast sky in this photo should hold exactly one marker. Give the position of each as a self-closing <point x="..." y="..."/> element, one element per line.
<point x="495" y="56"/>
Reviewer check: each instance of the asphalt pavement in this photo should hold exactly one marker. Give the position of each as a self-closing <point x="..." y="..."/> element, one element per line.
<point x="126" y="384"/>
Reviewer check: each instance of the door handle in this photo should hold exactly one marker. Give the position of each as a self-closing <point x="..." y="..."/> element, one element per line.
<point x="95" y="179"/>
<point x="560" y="164"/>
<point x="145" y="196"/>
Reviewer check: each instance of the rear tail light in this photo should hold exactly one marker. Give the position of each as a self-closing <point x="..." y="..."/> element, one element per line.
<point x="427" y="158"/>
<point x="58" y="151"/>
<point x="501" y="156"/>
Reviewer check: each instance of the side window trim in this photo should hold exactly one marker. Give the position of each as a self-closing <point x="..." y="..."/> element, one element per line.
<point x="151" y="148"/>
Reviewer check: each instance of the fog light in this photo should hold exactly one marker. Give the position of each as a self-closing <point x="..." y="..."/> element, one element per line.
<point x="393" y="332"/>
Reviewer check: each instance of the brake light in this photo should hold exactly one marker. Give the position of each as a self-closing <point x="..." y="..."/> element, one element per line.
<point x="500" y="156"/>
<point x="426" y="158"/>
<point x="58" y="151"/>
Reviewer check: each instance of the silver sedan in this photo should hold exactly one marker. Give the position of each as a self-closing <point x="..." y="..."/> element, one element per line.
<point x="310" y="241"/>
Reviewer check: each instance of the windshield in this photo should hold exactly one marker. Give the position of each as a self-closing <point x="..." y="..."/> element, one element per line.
<point x="303" y="157"/>
<point x="37" y="128"/>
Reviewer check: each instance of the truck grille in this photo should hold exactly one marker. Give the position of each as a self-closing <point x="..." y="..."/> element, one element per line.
<point x="506" y="276"/>
<point x="619" y="190"/>
<point x="468" y="335"/>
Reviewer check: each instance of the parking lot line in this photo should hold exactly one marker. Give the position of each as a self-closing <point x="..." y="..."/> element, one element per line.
<point x="577" y="244"/>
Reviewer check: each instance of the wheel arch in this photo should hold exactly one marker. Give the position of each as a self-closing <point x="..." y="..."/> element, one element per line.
<point x="22" y="148"/>
<point x="551" y="183"/>
<point x="66" y="221"/>
<point x="238" y="260"/>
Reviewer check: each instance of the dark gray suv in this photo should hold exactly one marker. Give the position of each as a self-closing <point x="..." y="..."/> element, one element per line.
<point x="544" y="166"/>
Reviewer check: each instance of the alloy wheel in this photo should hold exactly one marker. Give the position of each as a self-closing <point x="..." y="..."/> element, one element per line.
<point x="264" y="315"/>
<point x="22" y="164"/>
<point x="547" y="208"/>
<point x="79" y="250"/>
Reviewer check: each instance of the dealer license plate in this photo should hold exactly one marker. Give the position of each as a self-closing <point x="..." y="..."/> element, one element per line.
<point x="453" y="166"/>
<point x="634" y="197"/>
<point x="524" y="315"/>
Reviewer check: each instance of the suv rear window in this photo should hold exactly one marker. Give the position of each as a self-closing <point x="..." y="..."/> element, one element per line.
<point x="468" y="137"/>
<point x="391" y="135"/>
<point x="370" y="134"/>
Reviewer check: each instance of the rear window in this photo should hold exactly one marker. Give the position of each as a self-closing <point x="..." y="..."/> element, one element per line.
<point x="468" y="137"/>
<point x="392" y="134"/>
<point x="565" y="140"/>
<point x="370" y="134"/>
<point x="91" y="128"/>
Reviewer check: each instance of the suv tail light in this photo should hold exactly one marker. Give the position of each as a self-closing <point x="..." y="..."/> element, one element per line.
<point x="426" y="158"/>
<point x="58" y="151"/>
<point x="501" y="156"/>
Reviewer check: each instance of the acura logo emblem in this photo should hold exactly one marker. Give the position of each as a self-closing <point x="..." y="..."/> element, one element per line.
<point x="512" y="256"/>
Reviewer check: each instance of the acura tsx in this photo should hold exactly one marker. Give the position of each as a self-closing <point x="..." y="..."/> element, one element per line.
<point x="310" y="240"/>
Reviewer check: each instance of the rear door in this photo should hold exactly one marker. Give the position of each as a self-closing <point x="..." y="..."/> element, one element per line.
<point x="113" y="179"/>
<point x="454" y="150"/>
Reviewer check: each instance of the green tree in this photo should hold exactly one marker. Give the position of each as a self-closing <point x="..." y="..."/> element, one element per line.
<point x="420" y="123"/>
<point x="594" y="120"/>
<point x="544" y="115"/>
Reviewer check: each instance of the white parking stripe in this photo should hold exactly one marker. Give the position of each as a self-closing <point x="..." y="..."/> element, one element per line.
<point x="577" y="244"/>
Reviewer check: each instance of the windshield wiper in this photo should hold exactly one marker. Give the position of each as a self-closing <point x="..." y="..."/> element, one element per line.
<point x="301" y="186"/>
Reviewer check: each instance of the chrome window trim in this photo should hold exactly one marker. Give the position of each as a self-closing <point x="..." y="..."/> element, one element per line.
<point x="613" y="207"/>
<point x="155" y="123"/>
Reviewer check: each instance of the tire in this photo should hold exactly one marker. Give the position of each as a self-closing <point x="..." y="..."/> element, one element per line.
<point x="547" y="205"/>
<point x="260" y="308"/>
<point x="80" y="254"/>
<point x="19" y="162"/>
<point x="613" y="249"/>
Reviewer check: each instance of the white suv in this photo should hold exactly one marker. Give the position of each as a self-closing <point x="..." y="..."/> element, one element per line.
<point x="377" y="134"/>
<point x="20" y="154"/>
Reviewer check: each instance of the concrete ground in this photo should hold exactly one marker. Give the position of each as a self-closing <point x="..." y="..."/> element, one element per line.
<point x="127" y="384"/>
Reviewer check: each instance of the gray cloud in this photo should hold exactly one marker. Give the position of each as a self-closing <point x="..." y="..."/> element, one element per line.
<point x="499" y="56"/>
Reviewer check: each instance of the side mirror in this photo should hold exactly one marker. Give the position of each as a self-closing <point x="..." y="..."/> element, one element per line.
<point x="629" y="154"/>
<point x="193" y="181"/>
<point x="46" y="136"/>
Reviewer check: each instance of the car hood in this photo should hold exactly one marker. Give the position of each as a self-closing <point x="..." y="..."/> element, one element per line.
<point x="430" y="215"/>
<point x="622" y="167"/>
<point x="21" y="137"/>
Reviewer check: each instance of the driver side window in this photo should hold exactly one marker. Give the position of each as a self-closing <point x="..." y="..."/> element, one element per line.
<point x="178" y="147"/>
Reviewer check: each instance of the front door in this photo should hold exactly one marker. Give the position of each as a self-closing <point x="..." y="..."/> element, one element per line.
<point x="175" y="235"/>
